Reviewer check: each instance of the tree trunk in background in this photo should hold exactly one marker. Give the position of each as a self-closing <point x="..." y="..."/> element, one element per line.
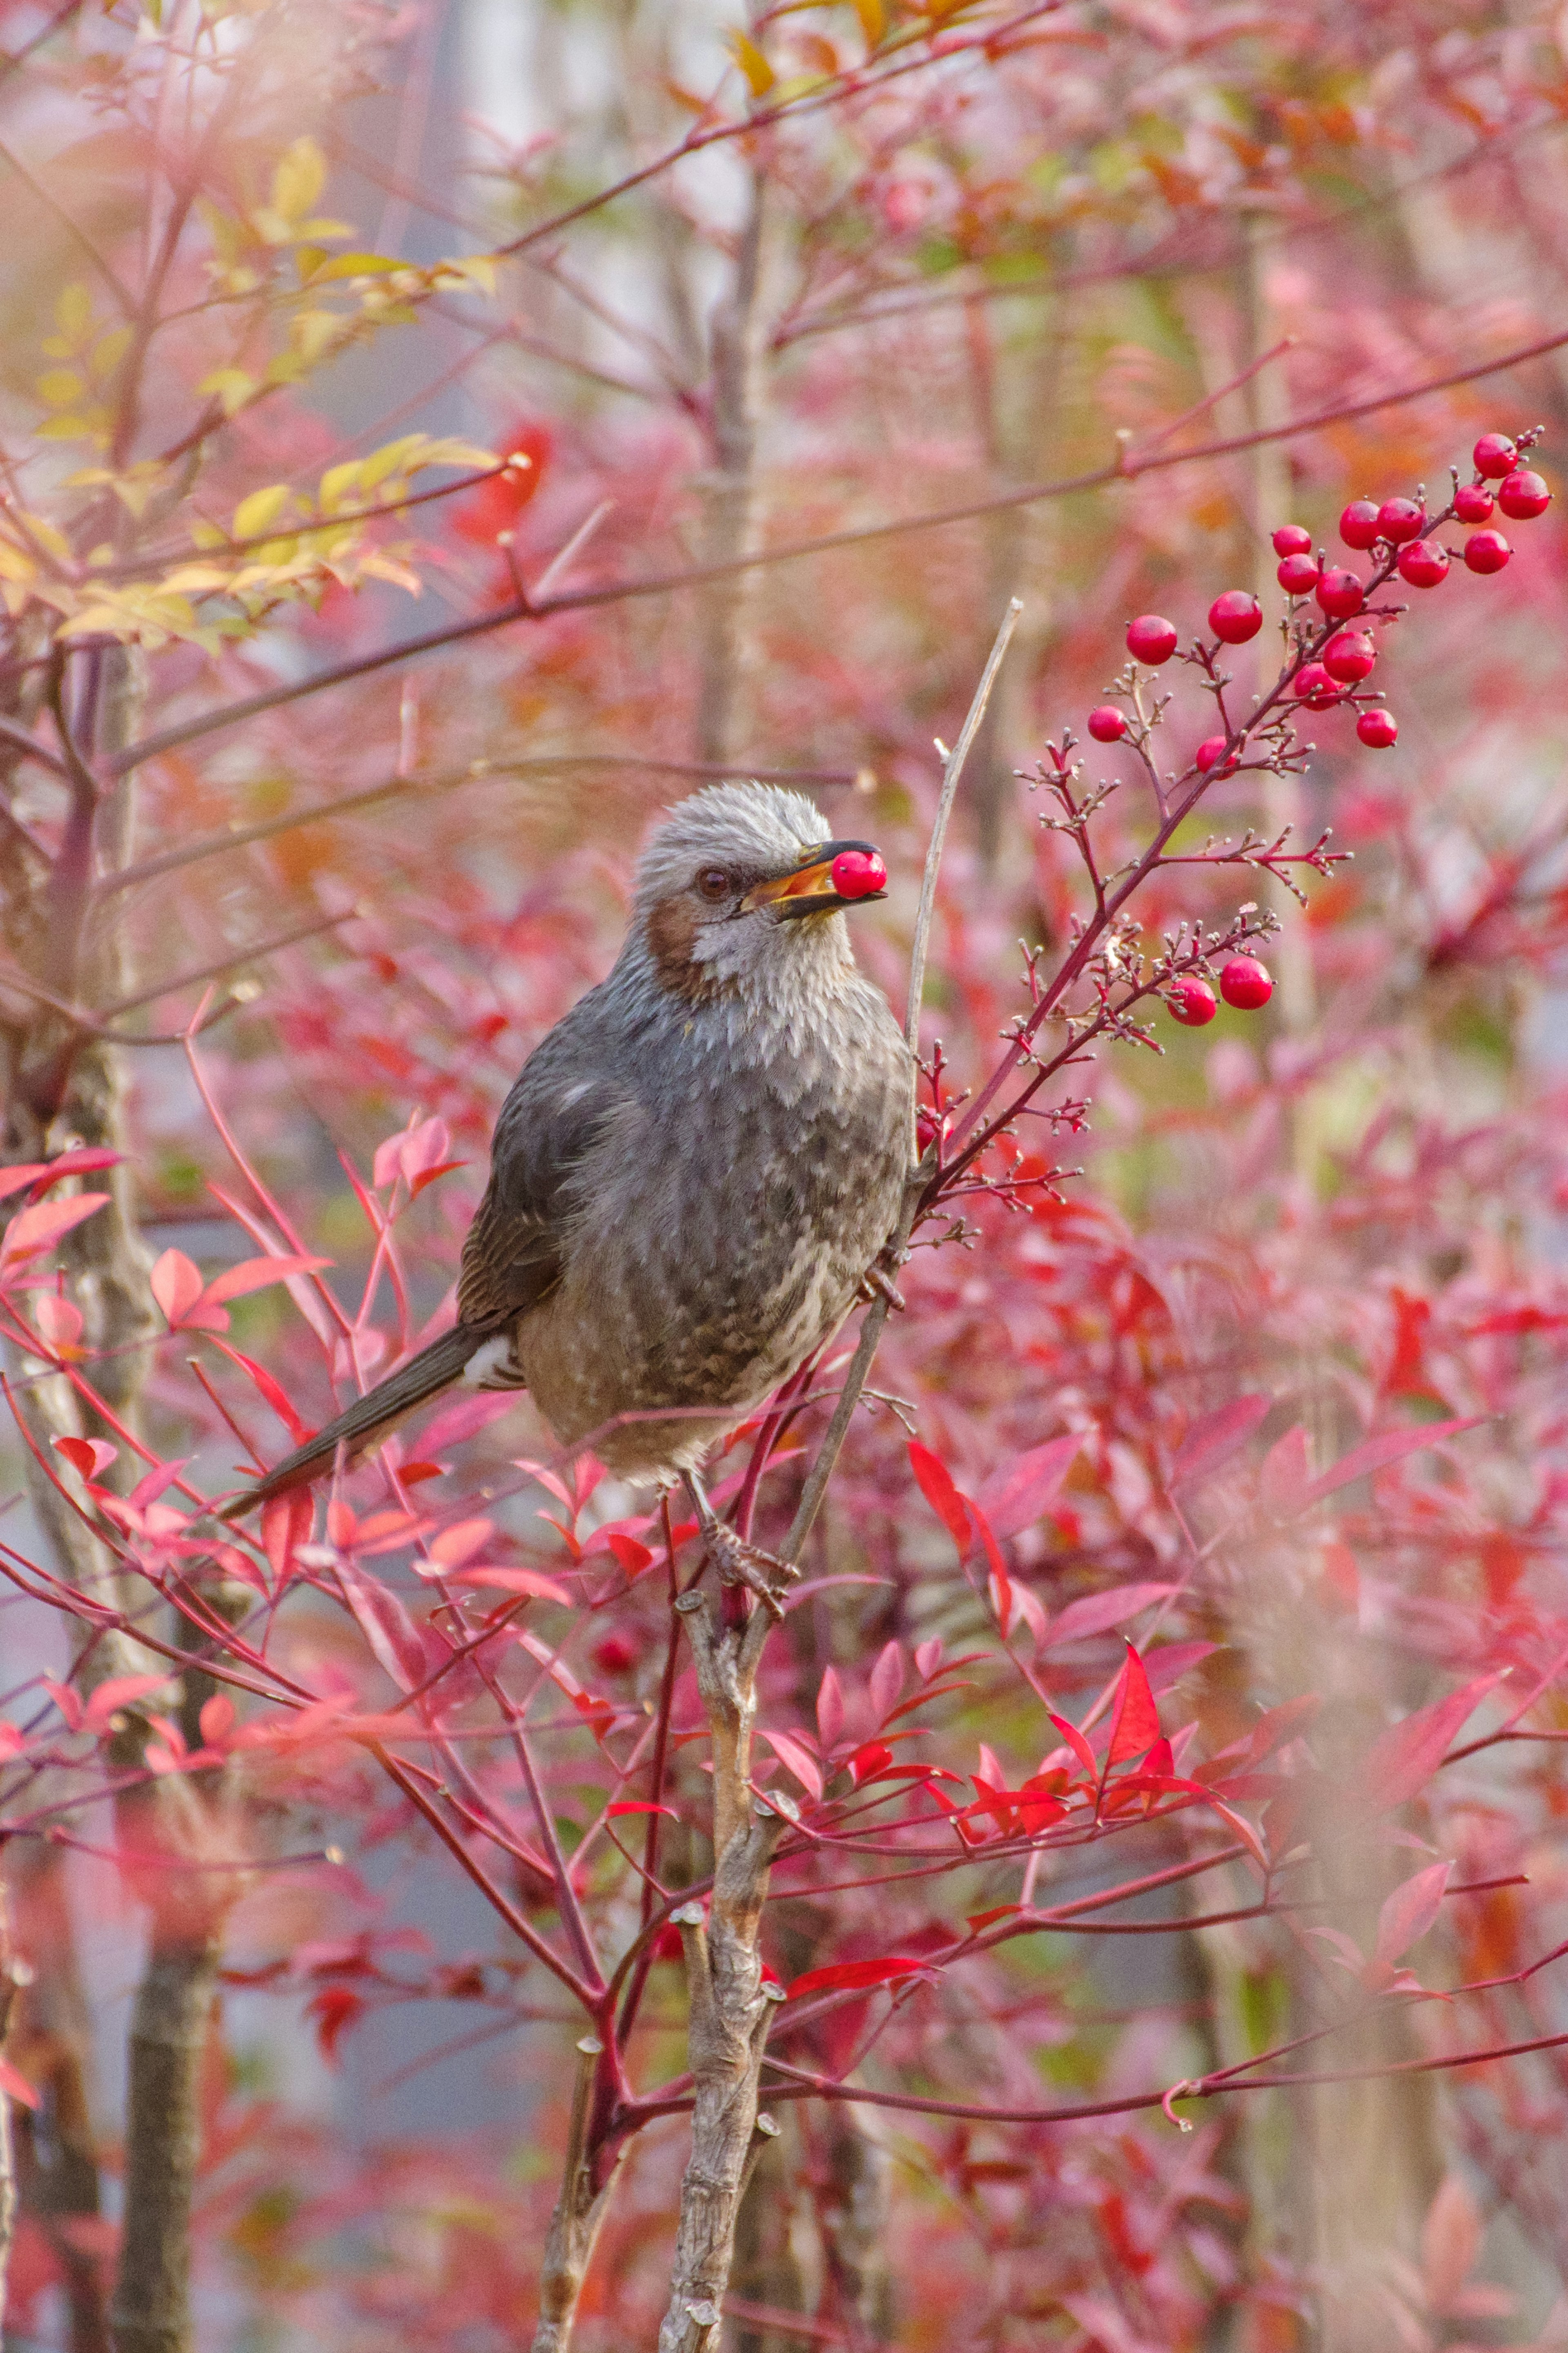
<point x="732" y="506"/>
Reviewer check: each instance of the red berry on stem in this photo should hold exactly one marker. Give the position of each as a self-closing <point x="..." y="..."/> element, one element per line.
<point x="615" y="1655"/>
<point x="1524" y="495"/>
<point x="1495" y="456"/>
<point x="1209" y="751"/>
<point x="1487" y="551"/>
<point x="1315" y="687"/>
<point x="1291" y="540"/>
<point x="1107" y="724"/>
<point x="1473" y="502"/>
<point x="1358" y="525"/>
<point x="1150" y="638"/>
<point x="1424" y="564"/>
<point x="1192" y="1002"/>
<point x="859" y="874"/>
<point x="1340" y="594"/>
<point x="1245" y="984"/>
<point x="1235" y="617"/>
<point x="1298" y="575"/>
<point x="1349" y="657"/>
<point x="1377" y="729"/>
<point x="1399" y="520"/>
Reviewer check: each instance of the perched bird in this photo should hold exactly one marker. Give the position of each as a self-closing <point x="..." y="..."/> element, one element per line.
<point x="694" y="1170"/>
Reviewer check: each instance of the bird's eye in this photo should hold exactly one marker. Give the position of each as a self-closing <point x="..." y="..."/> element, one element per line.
<point x="713" y="882"/>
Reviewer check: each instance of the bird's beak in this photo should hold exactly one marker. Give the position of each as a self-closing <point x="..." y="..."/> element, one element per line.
<point x="809" y="889"/>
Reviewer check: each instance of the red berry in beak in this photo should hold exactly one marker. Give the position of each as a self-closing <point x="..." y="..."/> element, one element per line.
<point x="1191" y="1002"/>
<point x="1107" y="724"/>
<point x="859" y="874"/>
<point x="1151" y="639"/>
<point x="1245" y="984"/>
<point x="1291" y="540"/>
<point x="1487" y="551"/>
<point x="1298" y="575"/>
<point x="1235" y="617"/>
<point x="1524" y="496"/>
<point x="1358" y="525"/>
<point x="1424" y="564"/>
<point x="1377" y="729"/>
<point x="1495" y="456"/>
<point x="1340" y="594"/>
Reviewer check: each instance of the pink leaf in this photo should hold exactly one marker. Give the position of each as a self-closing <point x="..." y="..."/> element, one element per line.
<point x="515" y="1580"/>
<point x="40" y="1228"/>
<point x="68" y="1701"/>
<point x="1377" y="1453"/>
<point x="1135" y="1726"/>
<point x="830" y="1709"/>
<point x="58" y="1320"/>
<point x="286" y="1522"/>
<point x="282" y="1405"/>
<point x="216" y="1719"/>
<point x="15" y="2084"/>
<point x="393" y="1636"/>
<point x="928" y="1658"/>
<point x="935" y="1483"/>
<point x="1216" y="1437"/>
<point x="1409" y="1912"/>
<point x="1284" y="1475"/>
<point x="151" y="1483"/>
<point x="1403" y="1759"/>
<point x="796" y="1760"/>
<point x="118" y="1691"/>
<point x="255" y="1273"/>
<point x="460" y="1542"/>
<point x="886" y="1681"/>
<point x="840" y="1975"/>
<point x="1096" y="1613"/>
<point x="1014" y="1499"/>
<point x="90" y="1456"/>
<point x="176" y="1286"/>
<point x="1450" y="2242"/>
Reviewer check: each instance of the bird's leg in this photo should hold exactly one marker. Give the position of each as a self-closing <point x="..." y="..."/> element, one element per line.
<point x="877" y="1283"/>
<point x="738" y="1561"/>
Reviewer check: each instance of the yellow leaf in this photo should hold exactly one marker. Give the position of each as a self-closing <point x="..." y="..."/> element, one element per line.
<point x="109" y="350"/>
<point x="65" y="429"/>
<point x="394" y="458"/>
<point x="54" y="542"/>
<point x="57" y="387"/>
<point x="479" y="268"/>
<point x="232" y="386"/>
<point x="73" y="308"/>
<point x="14" y="564"/>
<point x="195" y="579"/>
<point x="308" y="260"/>
<point x="299" y="178"/>
<point x="336" y="482"/>
<point x="314" y="333"/>
<point x="207" y="535"/>
<point x="252" y="515"/>
<point x="358" y="265"/>
<point x="873" y="18"/>
<point x="759" y="74"/>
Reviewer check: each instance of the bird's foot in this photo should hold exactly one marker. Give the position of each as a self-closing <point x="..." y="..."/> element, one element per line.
<point x="740" y="1562"/>
<point x="877" y="1283"/>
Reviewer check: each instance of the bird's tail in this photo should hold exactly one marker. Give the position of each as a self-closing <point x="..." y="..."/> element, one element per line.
<point x="369" y="1418"/>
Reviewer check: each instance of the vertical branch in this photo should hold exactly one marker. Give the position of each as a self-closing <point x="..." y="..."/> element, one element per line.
<point x="580" y="2209"/>
<point x="729" y="496"/>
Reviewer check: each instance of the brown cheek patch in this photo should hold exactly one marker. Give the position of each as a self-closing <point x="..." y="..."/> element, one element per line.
<point x="671" y="935"/>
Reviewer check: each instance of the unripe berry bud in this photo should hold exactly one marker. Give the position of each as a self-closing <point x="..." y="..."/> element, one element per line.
<point x="1487" y="551"/>
<point x="1210" y="751"/>
<point x="859" y="874"/>
<point x="1340" y="594"/>
<point x="1191" y="1002"/>
<point x="1291" y="540"/>
<point x="1399" y="520"/>
<point x="1424" y="564"/>
<point x="1495" y="456"/>
<point x="1473" y="502"/>
<point x="1316" y="688"/>
<point x="1524" y="496"/>
<point x="1245" y="984"/>
<point x="1235" y="617"/>
<point x="1107" y="725"/>
<point x="1358" y="525"/>
<point x="1377" y="729"/>
<point x="1299" y="574"/>
<point x="1151" y="639"/>
<point x="1349" y="657"/>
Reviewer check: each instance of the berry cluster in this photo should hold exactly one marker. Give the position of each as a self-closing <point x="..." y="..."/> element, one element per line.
<point x="1328" y="659"/>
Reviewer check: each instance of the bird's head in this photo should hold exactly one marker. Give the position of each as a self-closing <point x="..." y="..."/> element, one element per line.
<point x="741" y="889"/>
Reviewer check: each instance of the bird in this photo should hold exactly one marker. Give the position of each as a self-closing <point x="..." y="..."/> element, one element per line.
<point x="694" y="1173"/>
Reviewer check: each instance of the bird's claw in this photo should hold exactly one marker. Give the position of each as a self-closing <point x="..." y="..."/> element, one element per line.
<point x="877" y="1283"/>
<point x="740" y="1562"/>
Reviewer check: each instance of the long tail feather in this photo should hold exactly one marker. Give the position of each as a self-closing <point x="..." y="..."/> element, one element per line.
<point x="369" y="1418"/>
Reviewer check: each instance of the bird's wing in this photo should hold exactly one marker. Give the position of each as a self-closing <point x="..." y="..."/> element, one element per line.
<point x="514" y="1252"/>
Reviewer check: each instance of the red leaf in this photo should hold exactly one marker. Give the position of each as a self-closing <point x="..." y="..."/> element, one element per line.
<point x="1014" y="1499"/>
<point x="1410" y="1910"/>
<point x="282" y="1405"/>
<point x="935" y="1483"/>
<point x="255" y="1274"/>
<point x="868" y="1762"/>
<point x="634" y="1557"/>
<point x="1216" y="1437"/>
<point x="1377" y="1453"/>
<point x="887" y="1680"/>
<point x="1403" y="1759"/>
<point x="1077" y="1744"/>
<point x="1096" y="1613"/>
<point x="842" y="1974"/>
<point x="976" y="1921"/>
<point x="334" y="2008"/>
<point x="285" y="1522"/>
<point x="830" y="1708"/>
<point x="639" y="1806"/>
<point x="40" y="1228"/>
<point x="15" y="2084"/>
<point x="90" y="1456"/>
<point x="1135" y="1726"/>
<point x="796" y="1760"/>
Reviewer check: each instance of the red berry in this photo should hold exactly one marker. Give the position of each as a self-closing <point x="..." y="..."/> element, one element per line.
<point x="1349" y="657"/>
<point x="1107" y="725"/>
<point x="1524" y="495"/>
<point x="1316" y="688"/>
<point x="1291" y="540"/>
<point x="1245" y="984"/>
<point x="1297" y="574"/>
<point x="1473" y="502"/>
<point x="1209" y="751"/>
<point x="1150" y="639"/>
<point x="1191" y="1002"/>
<point x="1340" y="594"/>
<point x="1424" y="564"/>
<point x="1235" y="617"/>
<point x="927" y="1125"/>
<point x="859" y="874"/>
<point x="1377" y="729"/>
<point x="615" y="1655"/>
<point x="1487" y="551"/>
<point x="1358" y="525"/>
<point x="1399" y="520"/>
<point x="1495" y="456"/>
